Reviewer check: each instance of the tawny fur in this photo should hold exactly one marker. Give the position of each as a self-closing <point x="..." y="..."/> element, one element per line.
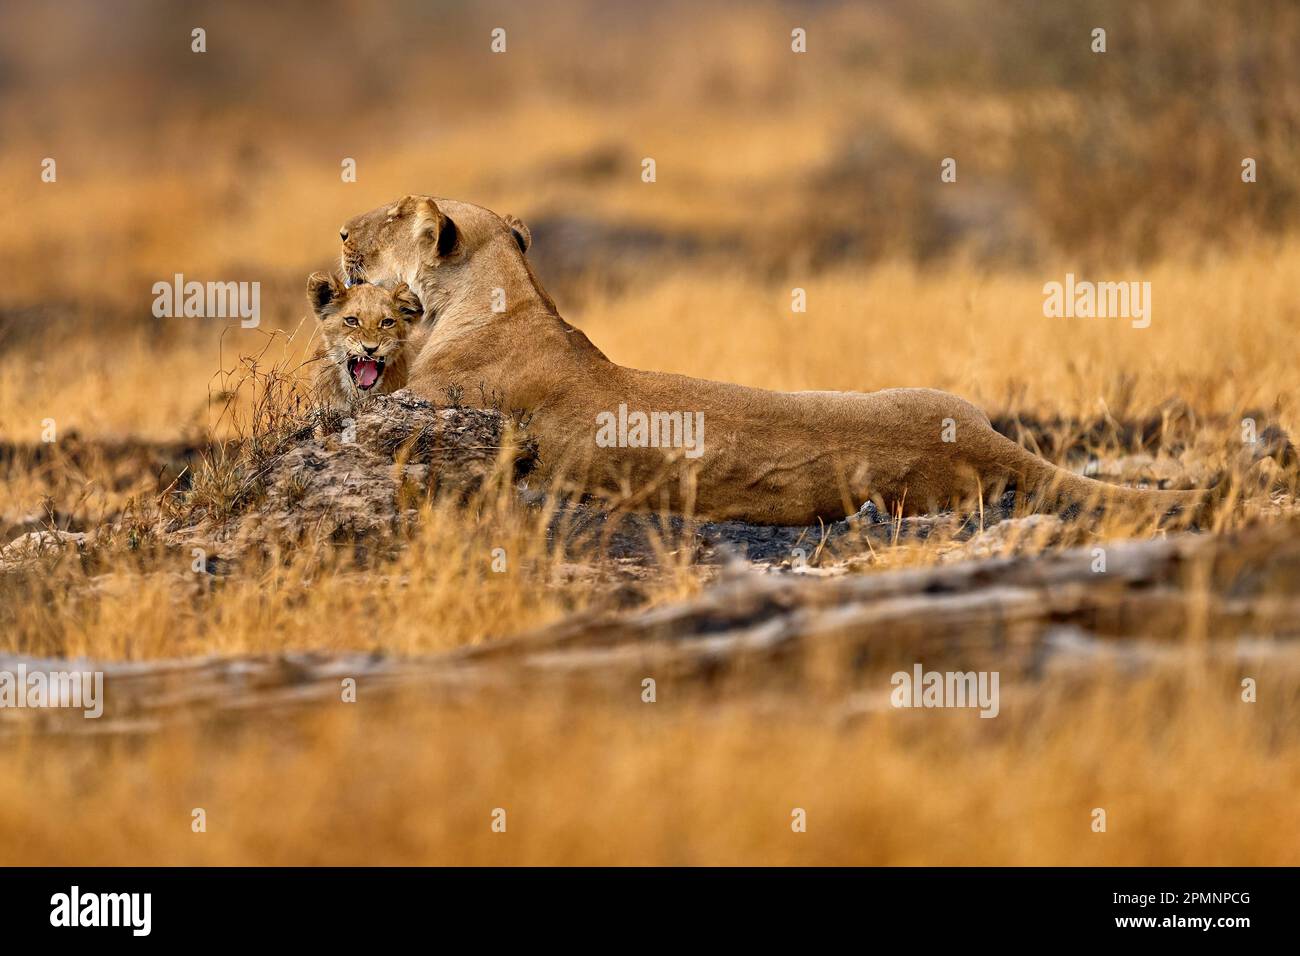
<point x="769" y="457"/>
<point x="386" y="321"/>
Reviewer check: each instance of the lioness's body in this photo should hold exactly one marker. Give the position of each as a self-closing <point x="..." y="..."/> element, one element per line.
<point x="770" y="457"/>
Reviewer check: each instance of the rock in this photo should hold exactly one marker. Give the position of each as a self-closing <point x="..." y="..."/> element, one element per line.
<point x="33" y="547"/>
<point x="1031" y="534"/>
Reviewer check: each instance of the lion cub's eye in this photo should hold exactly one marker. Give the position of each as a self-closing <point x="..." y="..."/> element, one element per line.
<point x="387" y="324"/>
<point x="351" y="320"/>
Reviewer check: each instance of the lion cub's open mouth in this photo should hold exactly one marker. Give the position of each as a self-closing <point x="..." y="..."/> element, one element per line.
<point x="365" y="372"/>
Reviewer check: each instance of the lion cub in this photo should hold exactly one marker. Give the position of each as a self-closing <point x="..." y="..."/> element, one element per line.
<point x="365" y="331"/>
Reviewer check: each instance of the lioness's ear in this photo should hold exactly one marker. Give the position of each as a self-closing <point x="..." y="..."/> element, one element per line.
<point x="322" y="289"/>
<point x="403" y="207"/>
<point x="432" y="230"/>
<point x="408" y="303"/>
<point x="521" y="233"/>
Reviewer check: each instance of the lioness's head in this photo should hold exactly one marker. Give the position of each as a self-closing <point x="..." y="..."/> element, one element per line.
<point x="451" y="252"/>
<point x="364" y="328"/>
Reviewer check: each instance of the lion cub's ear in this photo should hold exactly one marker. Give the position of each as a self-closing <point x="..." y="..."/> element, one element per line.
<point x="432" y="230"/>
<point x="408" y="303"/>
<point x="521" y="233"/>
<point x="322" y="289"/>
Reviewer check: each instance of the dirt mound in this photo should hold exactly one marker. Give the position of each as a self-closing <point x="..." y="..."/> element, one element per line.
<point x="342" y="478"/>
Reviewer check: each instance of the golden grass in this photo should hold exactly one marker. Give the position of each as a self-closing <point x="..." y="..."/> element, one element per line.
<point x="439" y="592"/>
<point x="1219" y="340"/>
<point x="1185" y="771"/>
<point x="166" y="167"/>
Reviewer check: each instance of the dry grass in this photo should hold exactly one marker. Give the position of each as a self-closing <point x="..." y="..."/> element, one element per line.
<point x="1185" y="772"/>
<point x="820" y="173"/>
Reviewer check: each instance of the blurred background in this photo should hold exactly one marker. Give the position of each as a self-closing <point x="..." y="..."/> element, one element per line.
<point x="774" y="170"/>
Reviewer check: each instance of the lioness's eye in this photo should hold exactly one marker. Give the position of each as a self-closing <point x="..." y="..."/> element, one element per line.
<point x="351" y="320"/>
<point x="387" y="324"/>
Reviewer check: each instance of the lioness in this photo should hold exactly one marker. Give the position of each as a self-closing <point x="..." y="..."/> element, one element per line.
<point x="754" y="455"/>
<point x="364" y="333"/>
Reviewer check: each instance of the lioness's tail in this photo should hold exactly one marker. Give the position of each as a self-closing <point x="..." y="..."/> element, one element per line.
<point x="1056" y="487"/>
